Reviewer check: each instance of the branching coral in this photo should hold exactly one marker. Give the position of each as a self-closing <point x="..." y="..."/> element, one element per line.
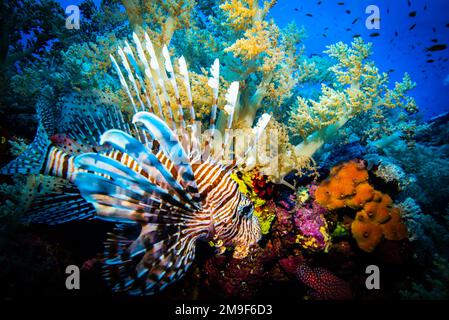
<point x="277" y="157"/>
<point x="88" y="64"/>
<point x="264" y="57"/>
<point x="359" y="87"/>
<point x="241" y="14"/>
<point x="163" y="18"/>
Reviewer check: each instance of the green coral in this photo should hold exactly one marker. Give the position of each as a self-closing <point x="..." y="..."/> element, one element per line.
<point x="340" y="231"/>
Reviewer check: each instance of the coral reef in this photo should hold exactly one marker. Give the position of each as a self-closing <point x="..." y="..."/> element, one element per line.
<point x="359" y="88"/>
<point x="348" y="186"/>
<point x="354" y="173"/>
<point x="312" y="226"/>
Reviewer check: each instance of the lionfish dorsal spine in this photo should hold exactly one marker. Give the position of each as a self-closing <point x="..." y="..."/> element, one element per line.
<point x="195" y="151"/>
<point x="171" y="72"/>
<point x="123" y="81"/>
<point x="231" y="99"/>
<point x="214" y="83"/>
<point x="154" y="64"/>
<point x="147" y="71"/>
<point x="131" y="78"/>
<point x="127" y="49"/>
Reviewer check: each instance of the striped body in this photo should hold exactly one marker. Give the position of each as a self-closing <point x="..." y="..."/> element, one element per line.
<point x="59" y="164"/>
<point x="220" y="195"/>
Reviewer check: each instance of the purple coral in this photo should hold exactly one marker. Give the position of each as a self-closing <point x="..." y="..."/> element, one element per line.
<point x="310" y="222"/>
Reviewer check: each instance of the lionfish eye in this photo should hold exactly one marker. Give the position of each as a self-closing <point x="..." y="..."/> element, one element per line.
<point x="246" y="209"/>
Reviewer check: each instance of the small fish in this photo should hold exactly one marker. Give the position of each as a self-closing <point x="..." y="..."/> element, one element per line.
<point x="324" y="35"/>
<point x="430" y="61"/>
<point x="447" y="25"/>
<point x="355" y="20"/>
<point x="409" y="3"/>
<point x="437" y="47"/>
<point x="319" y="2"/>
<point x="296" y="9"/>
<point x="348" y="29"/>
<point x="412" y="27"/>
<point x="425" y="7"/>
<point x="348" y="11"/>
<point x="356" y="36"/>
<point x="434" y="40"/>
<point x="412" y="14"/>
<point x="159" y="189"/>
<point x="309" y="15"/>
<point x="341" y="3"/>
<point x="396" y="33"/>
<point x="374" y="34"/>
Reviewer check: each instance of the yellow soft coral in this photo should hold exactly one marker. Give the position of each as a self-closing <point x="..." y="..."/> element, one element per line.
<point x="242" y="13"/>
<point x="163" y="17"/>
<point x="359" y="88"/>
<point x="257" y="40"/>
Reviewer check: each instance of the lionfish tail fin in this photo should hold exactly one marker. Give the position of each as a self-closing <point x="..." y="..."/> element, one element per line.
<point x="30" y="161"/>
<point x="157" y="257"/>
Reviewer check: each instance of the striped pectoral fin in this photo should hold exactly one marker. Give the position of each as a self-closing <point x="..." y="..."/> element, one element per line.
<point x="59" y="208"/>
<point x="172" y="148"/>
<point x="117" y="191"/>
<point x="156" y="171"/>
<point x="158" y="257"/>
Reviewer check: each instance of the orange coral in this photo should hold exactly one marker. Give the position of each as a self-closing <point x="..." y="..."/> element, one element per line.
<point x="363" y="192"/>
<point x="375" y="221"/>
<point x="347" y="186"/>
<point x="394" y="229"/>
<point x="367" y="234"/>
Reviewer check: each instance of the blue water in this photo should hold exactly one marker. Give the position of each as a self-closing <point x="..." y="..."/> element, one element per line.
<point x="405" y="52"/>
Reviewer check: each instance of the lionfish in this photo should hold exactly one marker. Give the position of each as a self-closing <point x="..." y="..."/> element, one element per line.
<point x="141" y="175"/>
